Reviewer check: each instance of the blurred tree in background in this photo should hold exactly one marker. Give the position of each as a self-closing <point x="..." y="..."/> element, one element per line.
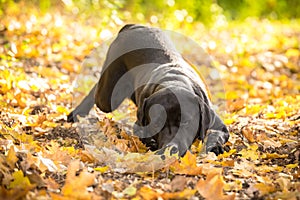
<point x="160" y="11"/>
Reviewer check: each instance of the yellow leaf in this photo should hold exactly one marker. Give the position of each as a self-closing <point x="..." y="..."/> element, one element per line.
<point x="292" y="166"/>
<point x="226" y="154"/>
<point x="232" y="95"/>
<point x="275" y="155"/>
<point x="102" y="169"/>
<point x="265" y="188"/>
<point x="227" y="163"/>
<point x="11" y="157"/>
<point x="270" y="115"/>
<point x="20" y="181"/>
<point x="251" y="152"/>
<point x="187" y="165"/>
<point x="292" y="53"/>
<point x="62" y="109"/>
<point x="185" y="194"/>
<point x="229" y="121"/>
<point x="253" y="109"/>
<point x="49" y="124"/>
<point x="148" y="193"/>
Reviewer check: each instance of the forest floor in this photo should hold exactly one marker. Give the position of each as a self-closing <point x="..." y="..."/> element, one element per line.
<point x="44" y="157"/>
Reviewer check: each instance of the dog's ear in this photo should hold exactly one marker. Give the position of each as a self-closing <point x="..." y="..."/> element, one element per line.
<point x="189" y="122"/>
<point x="130" y="26"/>
<point x="110" y="76"/>
<point x="126" y="27"/>
<point x="212" y="129"/>
<point x="152" y="110"/>
<point x="152" y="115"/>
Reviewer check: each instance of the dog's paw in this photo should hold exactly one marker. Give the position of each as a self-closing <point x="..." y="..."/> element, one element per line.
<point x="216" y="148"/>
<point x="215" y="140"/>
<point x="71" y="117"/>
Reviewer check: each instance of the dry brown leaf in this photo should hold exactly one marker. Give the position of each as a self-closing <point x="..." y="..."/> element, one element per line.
<point x="212" y="187"/>
<point x="249" y="134"/>
<point x="178" y="183"/>
<point x="76" y="186"/>
<point x="51" y="184"/>
<point x="12" y="194"/>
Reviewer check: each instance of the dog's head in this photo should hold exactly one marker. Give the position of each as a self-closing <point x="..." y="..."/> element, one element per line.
<point x="169" y="115"/>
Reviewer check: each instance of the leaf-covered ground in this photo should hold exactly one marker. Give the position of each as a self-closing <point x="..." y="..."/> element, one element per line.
<point x="43" y="157"/>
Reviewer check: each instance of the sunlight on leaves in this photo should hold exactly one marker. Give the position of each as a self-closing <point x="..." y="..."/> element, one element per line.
<point x="20" y="181"/>
<point x="187" y="165"/>
<point x="212" y="187"/>
<point x="76" y="186"/>
<point x="11" y="157"/>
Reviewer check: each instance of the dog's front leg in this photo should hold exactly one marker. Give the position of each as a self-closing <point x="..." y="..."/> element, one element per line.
<point x="84" y="107"/>
<point x="217" y="134"/>
<point x="215" y="141"/>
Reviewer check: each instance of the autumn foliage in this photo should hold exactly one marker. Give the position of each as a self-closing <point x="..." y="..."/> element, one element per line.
<point x="44" y="157"/>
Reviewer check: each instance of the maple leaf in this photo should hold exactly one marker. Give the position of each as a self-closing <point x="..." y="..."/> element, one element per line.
<point x="148" y="193"/>
<point x="12" y="194"/>
<point x="76" y="186"/>
<point x="265" y="188"/>
<point x="187" y="165"/>
<point x="131" y="162"/>
<point x="212" y="187"/>
<point x="11" y="158"/>
<point x="20" y="183"/>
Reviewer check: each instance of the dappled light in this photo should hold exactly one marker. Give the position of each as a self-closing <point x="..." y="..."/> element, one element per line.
<point x="51" y="54"/>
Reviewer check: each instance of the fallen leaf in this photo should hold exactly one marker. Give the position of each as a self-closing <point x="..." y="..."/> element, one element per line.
<point x="11" y="157"/>
<point x="187" y="165"/>
<point x="48" y="163"/>
<point x="178" y="183"/>
<point x="101" y="169"/>
<point x="148" y="193"/>
<point x="131" y="162"/>
<point x="249" y="134"/>
<point x="251" y="152"/>
<point x="51" y="184"/>
<point x="12" y="194"/>
<point x="20" y="181"/>
<point x="265" y="188"/>
<point x="130" y="191"/>
<point x="76" y="186"/>
<point x="184" y="194"/>
<point x="275" y="155"/>
<point x="212" y="187"/>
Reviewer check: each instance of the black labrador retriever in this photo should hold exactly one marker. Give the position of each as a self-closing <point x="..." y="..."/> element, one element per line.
<point x="173" y="106"/>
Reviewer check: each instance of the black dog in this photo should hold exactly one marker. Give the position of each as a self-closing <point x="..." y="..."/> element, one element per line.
<point x="173" y="107"/>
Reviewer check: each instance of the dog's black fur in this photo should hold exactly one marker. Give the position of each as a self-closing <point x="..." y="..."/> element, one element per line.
<point x="161" y="82"/>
